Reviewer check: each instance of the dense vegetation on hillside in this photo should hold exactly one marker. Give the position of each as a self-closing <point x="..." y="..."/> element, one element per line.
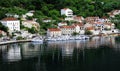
<point x="51" y="8"/>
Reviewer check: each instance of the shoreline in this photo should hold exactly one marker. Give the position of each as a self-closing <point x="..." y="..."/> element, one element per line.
<point x="29" y="40"/>
<point x="14" y="41"/>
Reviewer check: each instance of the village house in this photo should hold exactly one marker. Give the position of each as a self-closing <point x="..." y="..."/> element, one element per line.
<point x="13" y="24"/>
<point x="30" y="13"/>
<point x="67" y="30"/>
<point x="67" y="12"/>
<point x="78" y="19"/>
<point x="105" y="20"/>
<point x="54" y="32"/>
<point x="30" y="24"/>
<point x="46" y="20"/>
<point x="113" y="13"/>
<point x="79" y="28"/>
<point x="109" y="25"/>
<point x="98" y="25"/>
<point x="62" y="24"/>
<point x="91" y="19"/>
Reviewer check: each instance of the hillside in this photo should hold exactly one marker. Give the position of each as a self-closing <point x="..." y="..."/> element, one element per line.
<point x="51" y="8"/>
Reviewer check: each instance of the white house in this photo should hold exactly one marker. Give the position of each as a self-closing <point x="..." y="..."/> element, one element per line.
<point x="13" y="24"/>
<point x="67" y="12"/>
<point x="62" y="24"/>
<point x="30" y="13"/>
<point x="79" y="28"/>
<point x="54" y="32"/>
<point x="46" y="20"/>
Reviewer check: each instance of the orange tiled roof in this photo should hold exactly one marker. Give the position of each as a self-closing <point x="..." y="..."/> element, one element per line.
<point x="54" y="29"/>
<point x="9" y="19"/>
<point x="65" y="8"/>
<point x="90" y="28"/>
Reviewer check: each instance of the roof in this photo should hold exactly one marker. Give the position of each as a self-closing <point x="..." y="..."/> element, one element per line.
<point x="54" y="29"/>
<point x="90" y="28"/>
<point x="78" y="17"/>
<point x="9" y="19"/>
<point x="67" y="27"/>
<point x="98" y="23"/>
<point x="65" y="8"/>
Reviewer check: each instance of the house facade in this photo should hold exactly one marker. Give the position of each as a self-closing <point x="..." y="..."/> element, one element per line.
<point x="79" y="28"/>
<point x="67" y="30"/>
<point x="54" y="32"/>
<point x="13" y="24"/>
<point x="62" y="24"/>
<point x="91" y="19"/>
<point x="67" y="12"/>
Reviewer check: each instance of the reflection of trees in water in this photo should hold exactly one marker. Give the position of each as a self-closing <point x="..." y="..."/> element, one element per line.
<point x="80" y="59"/>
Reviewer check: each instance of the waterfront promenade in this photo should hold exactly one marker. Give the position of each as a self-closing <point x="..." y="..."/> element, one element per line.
<point x="14" y="41"/>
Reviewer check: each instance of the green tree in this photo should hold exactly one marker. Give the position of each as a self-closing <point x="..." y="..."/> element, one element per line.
<point x="87" y="32"/>
<point x="4" y="28"/>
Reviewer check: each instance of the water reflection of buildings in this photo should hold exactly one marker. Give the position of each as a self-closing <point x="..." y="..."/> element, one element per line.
<point x="16" y="52"/>
<point x="30" y="50"/>
<point x="95" y="42"/>
<point x="101" y="41"/>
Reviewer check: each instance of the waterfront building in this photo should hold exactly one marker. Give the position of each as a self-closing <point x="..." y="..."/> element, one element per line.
<point x="13" y="24"/>
<point x="54" y="32"/>
<point x="67" y="30"/>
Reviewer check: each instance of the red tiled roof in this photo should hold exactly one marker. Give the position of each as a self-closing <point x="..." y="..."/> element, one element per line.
<point x="78" y="17"/>
<point x="9" y="19"/>
<point x="54" y="29"/>
<point x="90" y="28"/>
<point x="65" y="8"/>
<point x="67" y="27"/>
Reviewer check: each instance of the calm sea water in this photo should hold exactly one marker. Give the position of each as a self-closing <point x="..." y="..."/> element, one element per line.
<point x="96" y="54"/>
